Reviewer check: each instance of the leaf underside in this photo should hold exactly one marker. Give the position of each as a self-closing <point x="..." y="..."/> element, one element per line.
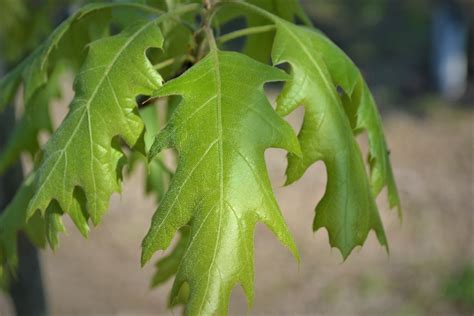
<point x="347" y="210"/>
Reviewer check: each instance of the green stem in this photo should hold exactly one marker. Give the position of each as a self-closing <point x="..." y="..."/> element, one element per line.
<point x="245" y="32"/>
<point x="254" y="9"/>
<point x="186" y="8"/>
<point x="211" y="39"/>
<point x="170" y="61"/>
<point x="165" y="63"/>
<point x="249" y="7"/>
<point x="143" y="7"/>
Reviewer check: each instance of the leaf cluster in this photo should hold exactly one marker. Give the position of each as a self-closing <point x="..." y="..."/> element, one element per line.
<point x="127" y="57"/>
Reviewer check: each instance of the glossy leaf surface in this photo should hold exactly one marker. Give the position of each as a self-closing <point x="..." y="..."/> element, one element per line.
<point x="221" y="187"/>
<point x="220" y="125"/>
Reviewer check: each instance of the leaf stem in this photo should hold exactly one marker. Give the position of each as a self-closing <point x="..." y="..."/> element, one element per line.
<point x="170" y="61"/>
<point x="210" y="38"/>
<point x="164" y="63"/>
<point x="140" y="6"/>
<point x="245" y="32"/>
<point x="249" y="7"/>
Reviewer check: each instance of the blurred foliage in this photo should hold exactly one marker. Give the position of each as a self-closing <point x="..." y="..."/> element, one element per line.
<point x="460" y="288"/>
<point x="24" y="24"/>
<point x="388" y="39"/>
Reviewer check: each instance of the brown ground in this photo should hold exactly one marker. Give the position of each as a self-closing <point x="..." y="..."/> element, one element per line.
<point x="433" y="165"/>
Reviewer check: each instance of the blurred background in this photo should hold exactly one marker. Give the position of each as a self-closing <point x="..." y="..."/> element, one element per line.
<point x="418" y="58"/>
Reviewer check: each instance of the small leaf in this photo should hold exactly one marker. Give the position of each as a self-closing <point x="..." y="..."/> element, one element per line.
<point x="221" y="187"/>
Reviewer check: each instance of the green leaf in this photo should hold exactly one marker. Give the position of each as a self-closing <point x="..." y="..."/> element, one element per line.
<point x="99" y="115"/>
<point x="221" y="187"/>
<point x="84" y="151"/>
<point x="10" y="83"/>
<point x="158" y="175"/>
<point x="167" y="5"/>
<point x="23" y="28"/>
<point x="259" y="46"/>
<point x="347" y="210"/>
<point x="38" y="229"/>
<point x="66" y="45"/>
<point x="168" y="266"/>
<point x="35" y="119"/>
<point x="362" y="111"/>
<point x="12" y="221"/>
<point x="177" y="45"/>
<point x="66" y="42"/>
<point x="35" y="72"/>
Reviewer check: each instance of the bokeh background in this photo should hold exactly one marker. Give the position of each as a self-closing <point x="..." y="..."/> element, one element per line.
<point x="417" y="56"/>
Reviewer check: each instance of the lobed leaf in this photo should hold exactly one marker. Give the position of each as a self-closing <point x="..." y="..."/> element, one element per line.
<point x="220" y="130"/>
<point x="99" y="115"/>
<point x="221" y="187"/>
<point x="347" y="209"/>
<point x="362" y="111"/>
<point x="65" y="45"/>
<point x="84" y="151"/>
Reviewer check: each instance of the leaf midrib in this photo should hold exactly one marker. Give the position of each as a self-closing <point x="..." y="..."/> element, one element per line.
<point x="218" y="81"/>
